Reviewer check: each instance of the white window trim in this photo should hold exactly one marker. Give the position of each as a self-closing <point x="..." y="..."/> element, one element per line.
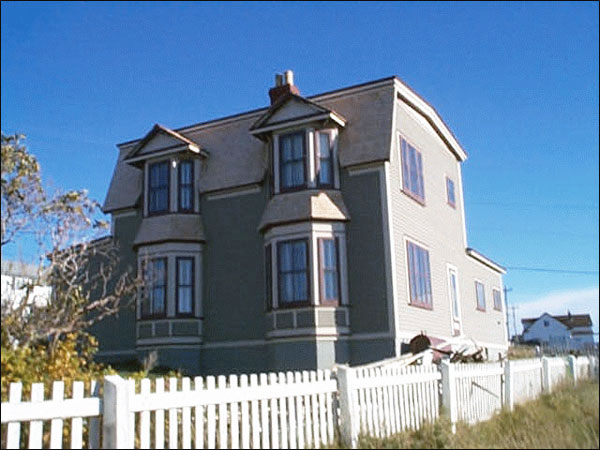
<point x="501" y="300"/>
<point x="400" y="161"/>
<point x="172" y="251"/>
<point x="454" y="320"/>
<point x="311" y="145"/>
<point x="312" y="232"/>
<point x="407" y="239"/>
<point x="477" y="308"/>
<point x="173" y="183"/>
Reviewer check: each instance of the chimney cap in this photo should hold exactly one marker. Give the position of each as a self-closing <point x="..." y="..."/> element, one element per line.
<point x="289" y="77"/>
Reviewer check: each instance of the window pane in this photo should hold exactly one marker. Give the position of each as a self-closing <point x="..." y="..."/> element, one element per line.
<point x="419" y="274"/>
<point x="287" y="288"/>
<point x="186" y="172"/>
<point x="325" y="172"/>
<point x="454" y="294"/>
<point x="324" y="145"/>
<point x="480" y="292"/>
<point x="497" y="299"/>
<point x="285" y="256"/>
<point x="299" y="256"/>
<point x="292" y="162"/>
<point x="184" y="299"/>
<point x="185" y="271"/>
<point x="412" y="170"/>
<point x="450" y="188"/>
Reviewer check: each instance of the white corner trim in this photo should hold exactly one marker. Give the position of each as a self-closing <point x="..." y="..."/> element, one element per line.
<point x="389" y="248"/>
<point x="409" y="97"/>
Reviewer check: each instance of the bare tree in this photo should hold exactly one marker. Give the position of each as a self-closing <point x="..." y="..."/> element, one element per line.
<point x="82" y="268"/>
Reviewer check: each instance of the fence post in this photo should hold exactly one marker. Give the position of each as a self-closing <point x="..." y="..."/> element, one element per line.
<point x="449" y="401"/>
<point x="509" y="386"/>
<point x="572" y="365"/>
<point x="115" y="423"/>
<point x="546" y="375"/>
<point x="348" y="426"/>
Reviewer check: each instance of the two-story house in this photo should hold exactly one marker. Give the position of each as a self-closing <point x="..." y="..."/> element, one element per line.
<point x="562" y="333"/>
<point x="316" y="230"/>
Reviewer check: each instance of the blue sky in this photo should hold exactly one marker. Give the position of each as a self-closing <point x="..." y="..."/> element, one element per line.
<point x="516" y="82"/>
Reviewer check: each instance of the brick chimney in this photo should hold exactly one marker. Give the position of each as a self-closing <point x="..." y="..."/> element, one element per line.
<point x="284" y="84"/>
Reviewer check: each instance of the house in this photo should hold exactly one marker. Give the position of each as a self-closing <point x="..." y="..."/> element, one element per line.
<point x="20" y="280"/>
<point x="570" y="332"/>
<point x="317" y="230"/>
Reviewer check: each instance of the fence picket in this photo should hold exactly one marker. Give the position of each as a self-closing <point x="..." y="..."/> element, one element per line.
<point x="131" y="437"/>
<point x="186" y="422"/>
<point x="145" y="417"/>
<point x="36" y="426"/>
<point x="299" y="413"/>
<point x="274" y="415"/>
<point x="94" y="422"/>
<point x="173" y="422"/>
<point x="306" y="412"/>
<point x="159" y="417"/>
<point x="264" y="415"/>
<point x="198" y="415"/>
<point x="255" y="414"/>
<point x="292" y="433"/>
<point x="315" y="413"/>
<point x="56" y="425"/>
<point x="222" y="410"/>
<point x="245" y="415"/>
<point x="211" y="417"/>
<point x="234" y="418"/>
<point x="13" y="438"/>
<point x="283" y="416"/>
<point x="76" y="422"/>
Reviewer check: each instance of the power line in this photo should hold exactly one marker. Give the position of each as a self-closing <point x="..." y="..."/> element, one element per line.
<point x="541" y="269"/>
<point x="588" y="207"/>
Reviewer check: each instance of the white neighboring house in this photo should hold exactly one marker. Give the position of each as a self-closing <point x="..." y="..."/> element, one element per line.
<point x="16" y="277"/>
<point x="570" y="332"/>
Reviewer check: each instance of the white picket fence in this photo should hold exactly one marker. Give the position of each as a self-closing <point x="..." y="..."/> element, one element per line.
<point x="478" y="390"/>
<point x="283" y="410"/>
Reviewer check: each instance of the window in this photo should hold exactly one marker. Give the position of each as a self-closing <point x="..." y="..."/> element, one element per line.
<point x="292" y="265"/>
<point x="497" y="299"/>
<point x="454" y="294"/>
<point x="292" y="161"/>
<point x="158" y="187"/>
<point x="153" y="303"/>
<point x="324" y="160"/>
<point x="268" y="277"/>
<point x="450" y="192"/>
<point x="546" y="323"/>
<point x="412" y="171"/>
<point x="186" y="186"/>
<point x="419" y="276"/>
<point x="329" y="271"/>
<point x="185" y="286"/>
<point x="480" y="293"/>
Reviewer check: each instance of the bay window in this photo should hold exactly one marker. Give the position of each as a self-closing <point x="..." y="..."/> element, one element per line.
<point x="185" y="286"/>
<point x="329" y="271"/>
<point x="155" y="292"/>
<point x="292" y="268"/>
<point x="305" y="266"/>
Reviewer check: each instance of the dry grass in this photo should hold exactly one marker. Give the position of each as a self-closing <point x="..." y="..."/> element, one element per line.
<point x="567" y="418"/>
<point x="516" y="351"/>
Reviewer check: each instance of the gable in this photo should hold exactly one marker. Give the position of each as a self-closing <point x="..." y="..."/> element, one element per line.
<point x="160" y="141"/>
<point x="293" y="109"/>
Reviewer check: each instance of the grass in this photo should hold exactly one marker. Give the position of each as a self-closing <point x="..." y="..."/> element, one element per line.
<point x="567" y="418"/>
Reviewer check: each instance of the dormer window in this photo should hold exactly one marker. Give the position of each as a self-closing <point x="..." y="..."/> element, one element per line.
<point x="292" y="161"/>
<point x="324" y="159"/>
<point x="158" y="187"/>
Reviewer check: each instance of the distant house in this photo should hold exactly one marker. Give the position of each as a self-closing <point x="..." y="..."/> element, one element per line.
<point x="16" y="277"/>
<point x="316" y="230"/>
<point x="570" y="332"/>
